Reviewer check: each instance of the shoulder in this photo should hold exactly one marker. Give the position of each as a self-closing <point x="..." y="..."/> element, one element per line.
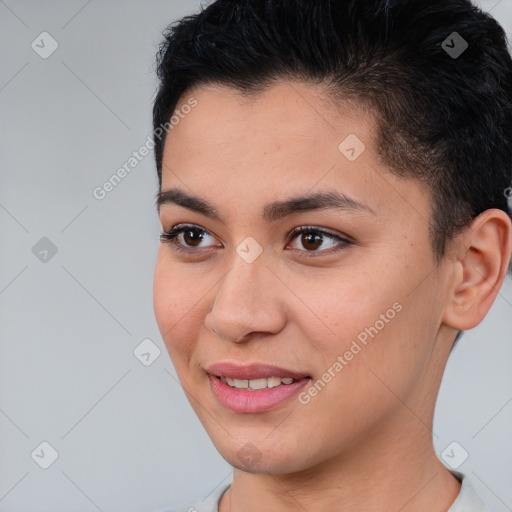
<point x="209" y="504"/>
<point x="467" y="500"/>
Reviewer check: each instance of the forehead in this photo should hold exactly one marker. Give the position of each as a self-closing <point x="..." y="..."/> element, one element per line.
<point x="281" y="111"/>
<point x="289" y="139"/>
<point x="288" y="130"/>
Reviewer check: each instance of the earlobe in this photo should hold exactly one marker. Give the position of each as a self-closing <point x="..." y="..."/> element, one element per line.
<point x="482" y="258"/>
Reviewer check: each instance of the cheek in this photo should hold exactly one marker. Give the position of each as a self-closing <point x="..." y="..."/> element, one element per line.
<point x="176" y="309"/>
<point x="337" y="310"/>
<point x="377" y="327"/>
<point x="385" y="348"/>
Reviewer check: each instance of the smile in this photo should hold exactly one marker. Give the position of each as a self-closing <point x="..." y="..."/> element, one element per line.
<point x="254" y="388"/>
<point x="255" y="384"/>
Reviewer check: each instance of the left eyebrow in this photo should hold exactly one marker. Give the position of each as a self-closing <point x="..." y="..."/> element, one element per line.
<point x="328" y="200"/>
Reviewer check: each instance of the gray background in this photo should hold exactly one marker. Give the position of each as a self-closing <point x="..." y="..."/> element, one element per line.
<point x="126" y="438"/>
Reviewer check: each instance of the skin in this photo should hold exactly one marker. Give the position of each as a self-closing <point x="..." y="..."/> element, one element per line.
<point x="364" y="442"/>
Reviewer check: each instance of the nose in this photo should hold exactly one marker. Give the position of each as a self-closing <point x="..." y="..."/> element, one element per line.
<point x="250" y="301"/>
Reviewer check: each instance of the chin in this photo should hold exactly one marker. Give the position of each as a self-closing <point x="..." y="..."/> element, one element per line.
<point x="260" y="455"/>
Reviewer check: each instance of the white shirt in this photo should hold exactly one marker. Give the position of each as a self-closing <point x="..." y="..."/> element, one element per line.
<point x="466" y="501"/>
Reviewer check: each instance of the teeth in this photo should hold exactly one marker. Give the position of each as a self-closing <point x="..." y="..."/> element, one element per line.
<point x="270" y="382"/>
<point x="258" y="383"/>
<point x="241" y="384"/>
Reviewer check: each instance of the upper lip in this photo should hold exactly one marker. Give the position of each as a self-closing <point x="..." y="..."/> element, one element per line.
<point x="251" y="371"/>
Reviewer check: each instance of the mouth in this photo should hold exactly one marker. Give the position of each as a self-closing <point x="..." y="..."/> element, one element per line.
<point x="254" y="388"/>
<point x="256" y="384"/>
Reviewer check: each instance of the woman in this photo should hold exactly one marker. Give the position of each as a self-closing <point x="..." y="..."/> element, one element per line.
<point x="333" y="199"/>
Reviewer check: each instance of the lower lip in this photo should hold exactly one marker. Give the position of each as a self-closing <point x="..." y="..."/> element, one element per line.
<point x="260" y="400"/>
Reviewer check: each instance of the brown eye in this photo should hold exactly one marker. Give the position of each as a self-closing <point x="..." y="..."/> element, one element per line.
<point x="188" y="238"/>
<point x="312" y="241"/>
<point x="193" y="237"/>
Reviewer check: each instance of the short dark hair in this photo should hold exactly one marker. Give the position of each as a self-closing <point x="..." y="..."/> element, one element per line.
<point x="443" y="119"/>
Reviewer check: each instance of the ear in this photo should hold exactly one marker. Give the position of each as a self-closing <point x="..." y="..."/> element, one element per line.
<point x="482" y="254"/>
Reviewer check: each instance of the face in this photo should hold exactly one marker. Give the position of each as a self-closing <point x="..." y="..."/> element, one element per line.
<point x="312" y="264"/>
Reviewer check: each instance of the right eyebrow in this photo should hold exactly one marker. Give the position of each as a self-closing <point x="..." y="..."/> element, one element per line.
<point x="196" y="204"/>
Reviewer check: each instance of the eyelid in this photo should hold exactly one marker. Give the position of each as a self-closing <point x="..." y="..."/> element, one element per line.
<point x="343" y="240"/>
<point x="171" y="235"/>
<point x="317" y="229"/>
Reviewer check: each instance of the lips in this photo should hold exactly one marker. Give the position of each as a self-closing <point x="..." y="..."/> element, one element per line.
<point x="254" y="388"/>
<point x="252" y="371"/>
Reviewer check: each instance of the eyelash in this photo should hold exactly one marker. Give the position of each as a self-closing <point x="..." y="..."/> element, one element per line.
<point x="170" y="239"/>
